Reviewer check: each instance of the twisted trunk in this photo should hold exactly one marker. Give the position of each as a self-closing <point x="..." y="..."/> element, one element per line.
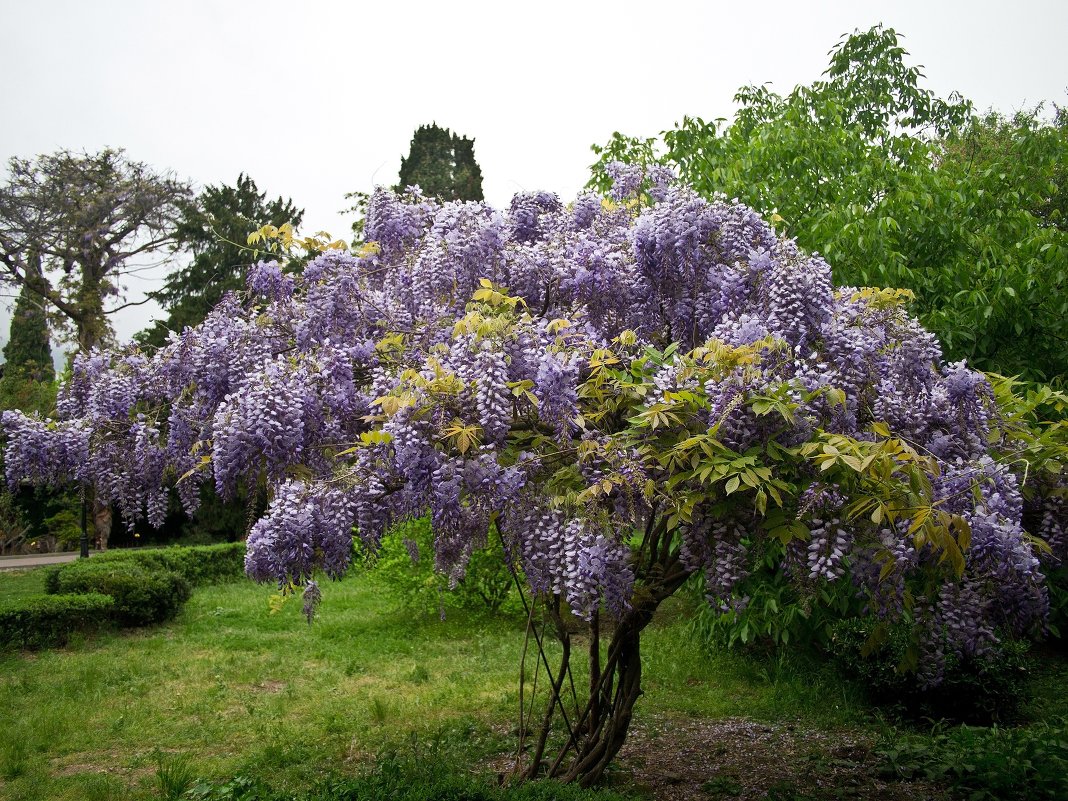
<point x="611" y="708"/>
<point x="599" y="730"/>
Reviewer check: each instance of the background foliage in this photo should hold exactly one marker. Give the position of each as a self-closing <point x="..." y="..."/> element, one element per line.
<point x="897" y="187"/>
<point x="442" y="164"/>
<point x="213" y="228"/>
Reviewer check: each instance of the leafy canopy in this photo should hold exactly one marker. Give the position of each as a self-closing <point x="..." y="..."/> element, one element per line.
<point x="213" y="228"/>
<point x="73" y="226"/>
<point x="897" y="187"/>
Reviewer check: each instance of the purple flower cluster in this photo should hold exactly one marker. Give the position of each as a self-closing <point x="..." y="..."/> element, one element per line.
<point x="305" y="527"/>
<point x="266" y="280"/>
<point x="829" y="539"/>
<point x="564" y="557"/>
<point x="264" y="426"/>
<point x="42" y="452"/>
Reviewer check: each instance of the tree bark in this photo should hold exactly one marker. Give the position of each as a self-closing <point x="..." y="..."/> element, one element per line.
<point x="102" y="523"/>
<point x="600" y="730"/>
<point x="610" y="717"/>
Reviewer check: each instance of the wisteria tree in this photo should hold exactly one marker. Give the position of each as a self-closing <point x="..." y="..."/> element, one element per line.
<point x="633" y="391"/>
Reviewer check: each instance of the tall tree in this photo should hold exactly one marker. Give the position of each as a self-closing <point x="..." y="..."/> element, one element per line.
<point x="442" y="164"/>
<point x="214" y="229"/>
<point x="72" y="226"/>
<point x="28" y="384"/>
<point x="87" y="220"/>
<point x="887" y="181"/>
<point x="28" y="374"/>
<point x="1001" y="295"/>
<point x="28" y="351"/>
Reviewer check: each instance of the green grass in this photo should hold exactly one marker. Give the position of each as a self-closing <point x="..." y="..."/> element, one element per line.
<point x="242" y="690"/>
<point x="238" y="691"/>
<point x="681" y="678"/>
<point x="1049" y="684"/>
<point x="18" y="583"/>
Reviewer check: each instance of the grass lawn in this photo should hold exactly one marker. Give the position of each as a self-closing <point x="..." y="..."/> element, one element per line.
<point x="17" y="583"/>
<point x="234" y="689"/>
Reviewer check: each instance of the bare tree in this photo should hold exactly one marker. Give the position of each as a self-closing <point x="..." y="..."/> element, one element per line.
<point x="90" y="220"/>
<point x="72" y="226"/>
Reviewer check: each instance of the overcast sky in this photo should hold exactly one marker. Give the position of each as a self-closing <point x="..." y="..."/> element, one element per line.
<point x="315" y="99"/>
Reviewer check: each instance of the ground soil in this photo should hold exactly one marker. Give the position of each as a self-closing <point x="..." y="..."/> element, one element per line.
<point x="674" y="759"/>
<point x="677" y="759"/>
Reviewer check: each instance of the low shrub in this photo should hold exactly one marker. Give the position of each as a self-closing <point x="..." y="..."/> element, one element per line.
<point x="975" y="689"/>
<point x="38" y="621"/>
<point x="142" y="596"/>
<point x="777" y="611"/>
<point x="995" y="764"/>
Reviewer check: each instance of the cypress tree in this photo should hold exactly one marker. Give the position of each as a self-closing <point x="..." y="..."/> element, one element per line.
<point x="28" y="349"/>
<point x="28" y="371"/>
<point x="442" y="164"/>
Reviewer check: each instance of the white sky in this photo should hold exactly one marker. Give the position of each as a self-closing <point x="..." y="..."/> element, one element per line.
<point x="316" y="99"/>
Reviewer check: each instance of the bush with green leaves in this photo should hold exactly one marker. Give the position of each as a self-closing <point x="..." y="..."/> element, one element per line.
<point x="406" y="562"/>
<point x="975" y="689"/>
<point x="37" y="621"/>
<point x="898" y="187"/>
<point x="996" y="764"/>
<point x="65" y="525"/>
<point x="142" y="596"/>
<point x="778" y="610"/>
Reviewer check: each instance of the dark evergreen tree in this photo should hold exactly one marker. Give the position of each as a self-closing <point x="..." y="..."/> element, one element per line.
<point x="214" y="228"/>
<point x="28" y="350"/>
<point x="28" y="373"/>
<point x="28" y="384"/>
<point x="442" y="164"/>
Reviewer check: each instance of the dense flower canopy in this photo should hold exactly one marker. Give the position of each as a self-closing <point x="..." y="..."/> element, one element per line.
<point x="568" y="373"/>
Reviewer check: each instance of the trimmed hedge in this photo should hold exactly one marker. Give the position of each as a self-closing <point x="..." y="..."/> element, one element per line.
<point x="38" y="621"/>
<point x="197" y="564"/>
<point x="142" y="596"/>
<point x="127" y="587"/>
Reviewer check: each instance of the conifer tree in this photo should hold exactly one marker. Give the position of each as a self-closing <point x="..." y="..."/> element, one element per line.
<point x="28" y="372"/>
<point x="214" y="227"/>
<point x="442" y="164"/>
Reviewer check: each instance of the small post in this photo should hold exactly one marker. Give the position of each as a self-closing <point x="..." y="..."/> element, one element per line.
<point x="85" y="527"/>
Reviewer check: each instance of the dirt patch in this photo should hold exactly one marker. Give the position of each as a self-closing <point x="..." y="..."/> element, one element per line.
<point x="112" y="763"/>
<point x="670" y="759"/>
<point x="269" y="686"/>
<point x="738" y="759"/>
